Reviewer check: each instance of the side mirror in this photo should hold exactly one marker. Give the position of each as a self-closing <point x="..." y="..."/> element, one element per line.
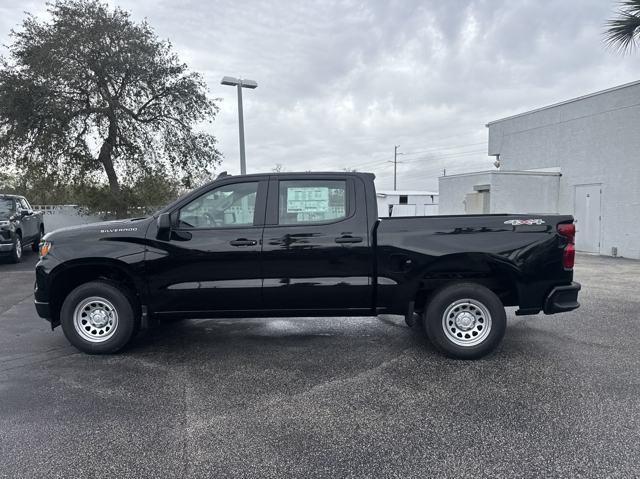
<point x="164" y="226"/>
<point x="23" y="212"/>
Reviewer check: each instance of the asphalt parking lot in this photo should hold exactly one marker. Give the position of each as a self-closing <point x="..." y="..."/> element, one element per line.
<point x="340" y="397"/>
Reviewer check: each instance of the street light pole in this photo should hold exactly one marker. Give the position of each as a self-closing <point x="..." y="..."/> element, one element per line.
<point x="243" y="160"/>
<point x="240" y="84"/>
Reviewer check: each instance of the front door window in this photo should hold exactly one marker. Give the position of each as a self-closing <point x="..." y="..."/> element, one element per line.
<point x="227" y="206"/>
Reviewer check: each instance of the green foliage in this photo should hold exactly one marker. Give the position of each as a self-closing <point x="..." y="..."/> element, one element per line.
<point x="147" y="194"/>
<point x="623" y="31"/>
<point x="92" y="95"/>
<point x="143" y="197"/>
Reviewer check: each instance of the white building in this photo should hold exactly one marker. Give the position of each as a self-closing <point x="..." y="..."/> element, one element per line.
<point x="407" y="203"/>
<point x="579" y="157"/>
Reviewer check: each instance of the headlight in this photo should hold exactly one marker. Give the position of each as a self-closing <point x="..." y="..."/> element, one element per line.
<point x="45" y="247"/>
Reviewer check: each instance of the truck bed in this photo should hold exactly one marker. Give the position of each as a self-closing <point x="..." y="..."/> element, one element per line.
<point x="521" y="250"/>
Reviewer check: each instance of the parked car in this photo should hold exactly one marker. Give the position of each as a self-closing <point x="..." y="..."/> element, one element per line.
<point x="20" y="226"/>
<point x="304" y="244"/>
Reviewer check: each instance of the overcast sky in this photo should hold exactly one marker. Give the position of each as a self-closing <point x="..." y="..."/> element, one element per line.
<point x="340" y="83"/>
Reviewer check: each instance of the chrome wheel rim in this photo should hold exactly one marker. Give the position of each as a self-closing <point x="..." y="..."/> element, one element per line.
<point x="466" y="322"/>
<point x="18" y="248"/>
<point x="95" y="319"/>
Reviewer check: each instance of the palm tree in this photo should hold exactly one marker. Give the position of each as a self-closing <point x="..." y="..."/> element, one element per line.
<point x="623" y="31"/>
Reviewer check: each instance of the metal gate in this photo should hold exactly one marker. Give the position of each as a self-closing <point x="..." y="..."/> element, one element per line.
<point x="587" y="217"/>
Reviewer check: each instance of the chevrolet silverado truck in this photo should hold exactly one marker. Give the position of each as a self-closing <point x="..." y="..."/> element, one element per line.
<point x="304" y="244"/>
<point x="20" y="226"/>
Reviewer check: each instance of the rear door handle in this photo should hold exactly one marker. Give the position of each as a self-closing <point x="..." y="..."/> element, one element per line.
<point x="243" y="242"/>
<point x="349" y="239"/>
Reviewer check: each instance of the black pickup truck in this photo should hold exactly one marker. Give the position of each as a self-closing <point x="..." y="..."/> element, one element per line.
<point x="304" y="244"/>
<point x="20" y="226"/>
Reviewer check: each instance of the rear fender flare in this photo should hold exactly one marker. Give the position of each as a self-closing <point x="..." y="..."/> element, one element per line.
<point x="465" y="267"/>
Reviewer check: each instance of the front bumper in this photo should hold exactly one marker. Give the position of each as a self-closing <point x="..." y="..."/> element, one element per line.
<point x="44" y="304"/>
<point x="562" y="299"/>
<point x="43" y="309"/>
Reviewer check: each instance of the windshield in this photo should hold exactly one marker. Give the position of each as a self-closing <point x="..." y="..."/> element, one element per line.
<point x="6" y="207"/>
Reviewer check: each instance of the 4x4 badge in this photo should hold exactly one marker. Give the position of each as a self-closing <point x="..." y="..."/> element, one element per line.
<point x="524" y="222"/>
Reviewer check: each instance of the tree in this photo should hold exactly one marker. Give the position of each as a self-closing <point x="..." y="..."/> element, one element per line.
<point x="623" y="31"/>
<point x="7" y="183"/>
<point x="91" y="93"/>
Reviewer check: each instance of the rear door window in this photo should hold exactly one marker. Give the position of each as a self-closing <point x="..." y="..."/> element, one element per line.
<point x="311" y="201"/>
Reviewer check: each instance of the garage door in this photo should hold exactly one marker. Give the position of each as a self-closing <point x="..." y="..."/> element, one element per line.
<point x="587" y="217"/>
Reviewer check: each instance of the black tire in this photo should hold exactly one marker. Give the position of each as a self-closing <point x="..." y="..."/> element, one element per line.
<point x="35" y="246"/>
<point x="16" y="251"/>
<point x="127" y="317"/>
<point x="474" y="315"/>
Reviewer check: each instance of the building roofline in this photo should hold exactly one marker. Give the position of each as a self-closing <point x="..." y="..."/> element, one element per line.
<point x="565" y="102"/>
<point x="407" y="192"/>
<point x="501" y="172"/>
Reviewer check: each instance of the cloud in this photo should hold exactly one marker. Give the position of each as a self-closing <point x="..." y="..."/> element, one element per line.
<point x="342" y="82"/>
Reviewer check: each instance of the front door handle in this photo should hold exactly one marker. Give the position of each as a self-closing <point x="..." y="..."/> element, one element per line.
<point x="243" y="242"/>
<point x="349" y="239"/>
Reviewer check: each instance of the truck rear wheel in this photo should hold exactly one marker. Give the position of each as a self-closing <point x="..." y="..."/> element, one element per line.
<point x="465" y="320"/>
<point x="99" y="317"/>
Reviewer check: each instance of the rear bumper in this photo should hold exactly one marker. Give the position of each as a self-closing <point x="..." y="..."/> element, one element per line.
<point x="562" y="299"/>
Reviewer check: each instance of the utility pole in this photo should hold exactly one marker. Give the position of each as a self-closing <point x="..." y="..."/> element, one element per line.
<point x="395" y="166"/>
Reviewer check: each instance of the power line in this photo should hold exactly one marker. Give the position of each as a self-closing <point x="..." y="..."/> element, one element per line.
<point x="426" y="150"/>
<point x="447" y="156"/>
<point x="449" y="153"/>
<point x="369" y="163"/>
<point x="435" y="148"/>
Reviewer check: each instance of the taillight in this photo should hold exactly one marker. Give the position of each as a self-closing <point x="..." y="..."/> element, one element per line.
<point x="569" y="256"/>
<point x="568" y="230"/>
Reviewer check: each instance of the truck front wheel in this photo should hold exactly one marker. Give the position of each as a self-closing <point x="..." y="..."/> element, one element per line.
<point x="465" y="320"/>
<point x="16" y="251"/>
<point x="99" y="317"/>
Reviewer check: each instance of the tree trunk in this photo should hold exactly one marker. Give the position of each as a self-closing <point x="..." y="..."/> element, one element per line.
<point x="104" y="157"/>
